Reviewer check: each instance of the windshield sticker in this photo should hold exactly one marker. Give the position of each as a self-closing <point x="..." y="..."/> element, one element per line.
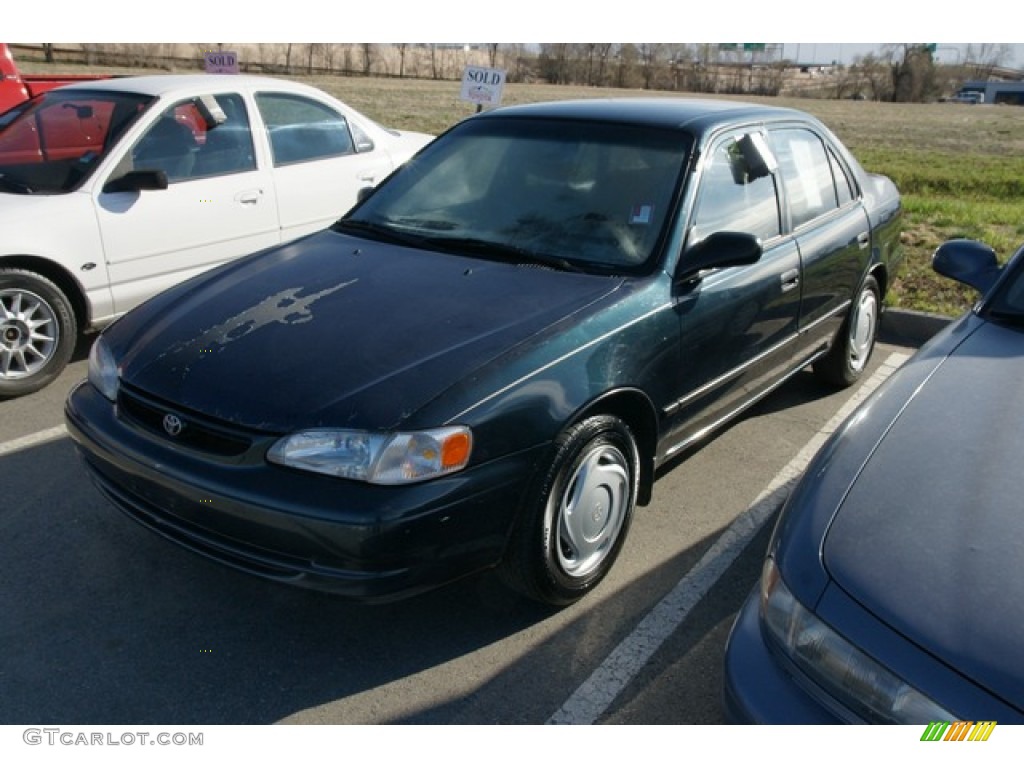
<point x="641" y="214"/>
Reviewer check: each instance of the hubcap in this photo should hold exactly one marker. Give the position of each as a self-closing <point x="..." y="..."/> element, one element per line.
<point x="862" y="330"/>
<point x="28" y="333"/>
<point x="592" y="511"/>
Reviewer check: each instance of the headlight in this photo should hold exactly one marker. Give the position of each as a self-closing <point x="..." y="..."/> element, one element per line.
<point x="859" y="682"/>
<point x="103" y="373"/>
<point x="380" y="458"/>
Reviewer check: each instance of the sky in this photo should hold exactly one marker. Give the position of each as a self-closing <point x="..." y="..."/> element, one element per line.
<point x="844" y="53"/>
<point x="524" y="21"/>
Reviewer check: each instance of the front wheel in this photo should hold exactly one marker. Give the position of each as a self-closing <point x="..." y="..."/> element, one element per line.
<point x="576" y="520"/>
<point x="847" y="359"/>
<point x="37" y="332"/>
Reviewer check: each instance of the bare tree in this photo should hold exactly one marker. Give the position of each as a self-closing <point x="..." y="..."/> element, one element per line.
<point x="401" y="58"/>
<point x="311" y="50"/>
<point x="700" y="74"/>
<point x="625" y="65"/>
<point x="369" y="55"/>
<point x="329" y="51"/>
<point x="678" y="58"/>
<point x="650" y="59"/>
<point x="553" y="62"/>
<point x="913" y="72"/>
<point x="604" y="55"/>
<point x="520" y="70"/>
<point x="767" y="79"/>
<point x="982" y="59"/>
<point x="590" y="58"/>
<point x="871" y="73"/>
<point x="434" y="69"/>
<point x="846" y="82"/>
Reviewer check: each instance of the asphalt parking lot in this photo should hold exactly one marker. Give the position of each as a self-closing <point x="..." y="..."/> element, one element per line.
<point x="107" y="623"/>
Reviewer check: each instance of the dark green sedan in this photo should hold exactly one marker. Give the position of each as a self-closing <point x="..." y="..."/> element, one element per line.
<point x="484" y="363"/>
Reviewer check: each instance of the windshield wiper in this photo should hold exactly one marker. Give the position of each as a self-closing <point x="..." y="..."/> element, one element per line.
<point x="502" y="251"/>
<point x="377" y="232"/>
<point x="433" y="225"/>
<point x="13" y="185"/>
<point x="1009" y="316"/>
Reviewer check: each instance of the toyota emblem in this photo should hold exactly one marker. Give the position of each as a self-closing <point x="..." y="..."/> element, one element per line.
<point x="173" y="425"/>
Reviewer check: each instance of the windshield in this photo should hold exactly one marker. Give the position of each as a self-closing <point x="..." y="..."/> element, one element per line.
<point x="1008" y="301"/>
<point x="53" y="142"/>
<point x="571" y="194"/>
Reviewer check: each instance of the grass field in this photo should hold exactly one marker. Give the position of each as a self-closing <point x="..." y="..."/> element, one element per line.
<point x="959" y="167"/>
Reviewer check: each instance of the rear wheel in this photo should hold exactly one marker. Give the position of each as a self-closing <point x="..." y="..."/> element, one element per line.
<point x="846" y="360"/>
<point x="576" y="520"/>
<point x="37" y="332"/>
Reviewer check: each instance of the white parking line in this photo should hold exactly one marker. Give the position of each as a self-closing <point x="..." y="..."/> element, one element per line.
<point x="29" y="441"/>
<point x="598" y="692"/>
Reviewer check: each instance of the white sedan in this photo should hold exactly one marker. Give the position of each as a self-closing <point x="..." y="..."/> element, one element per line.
<point x="113" y="190"/>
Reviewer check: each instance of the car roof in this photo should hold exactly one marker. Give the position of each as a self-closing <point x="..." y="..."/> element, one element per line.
<point x="166" y="85"/>
<point x="697" y="115"/>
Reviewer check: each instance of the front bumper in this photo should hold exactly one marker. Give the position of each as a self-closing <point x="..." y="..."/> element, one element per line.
<point x="365" y="542"/>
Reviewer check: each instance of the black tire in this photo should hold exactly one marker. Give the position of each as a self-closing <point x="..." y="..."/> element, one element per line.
<point x="38" y="332"/>
<point x="848" y="357"/>
<point x="556" y="556"/>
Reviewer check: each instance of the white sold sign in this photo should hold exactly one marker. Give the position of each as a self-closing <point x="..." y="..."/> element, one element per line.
<point x="221" y="62"/>
<point x="482" y="86"/>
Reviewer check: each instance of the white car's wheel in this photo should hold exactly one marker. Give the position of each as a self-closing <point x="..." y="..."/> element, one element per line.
<point x="37" y="332"/>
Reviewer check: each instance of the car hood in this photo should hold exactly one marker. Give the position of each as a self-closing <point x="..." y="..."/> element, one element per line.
<point x="337" y="331"/>
<point x="15" y="206"/>
<point x="930" y="536"/>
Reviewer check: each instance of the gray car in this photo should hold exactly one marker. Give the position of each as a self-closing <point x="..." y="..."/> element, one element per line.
<point x="893" y="588"/>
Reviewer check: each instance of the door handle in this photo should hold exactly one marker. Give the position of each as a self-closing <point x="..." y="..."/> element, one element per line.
<point x="863" y="240"/>
<point x="790" y="279"/>
<point x="249" y="196"/>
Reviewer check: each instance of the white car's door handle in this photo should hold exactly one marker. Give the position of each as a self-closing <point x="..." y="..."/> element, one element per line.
<point x="249" y="196"/>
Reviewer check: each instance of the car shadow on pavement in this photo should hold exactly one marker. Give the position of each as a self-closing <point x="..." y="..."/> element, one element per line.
<point x="106" y="623"/>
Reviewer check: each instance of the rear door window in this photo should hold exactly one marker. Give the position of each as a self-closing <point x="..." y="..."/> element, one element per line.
<point x="806" y="174"/>
<point x="301" y="129"/>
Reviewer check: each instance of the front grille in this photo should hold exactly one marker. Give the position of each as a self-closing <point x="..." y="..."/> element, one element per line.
<point x="194" y="431"/>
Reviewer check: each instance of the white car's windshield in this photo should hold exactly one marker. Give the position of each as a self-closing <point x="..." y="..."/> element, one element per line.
<point x="574" y="194"/>
<point x="52" y="143"/>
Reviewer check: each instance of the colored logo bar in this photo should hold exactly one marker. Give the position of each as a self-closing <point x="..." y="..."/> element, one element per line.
<point x="963" y="730"/>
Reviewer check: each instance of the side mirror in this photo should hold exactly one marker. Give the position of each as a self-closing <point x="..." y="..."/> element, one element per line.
<point x="721" y="249"/>
<point x="363" y="193"/>
<point x="82" y="111"/>
<point x="136" y="181"/>
<point x="969" y="262"/>
<point x="755" y="159"/>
